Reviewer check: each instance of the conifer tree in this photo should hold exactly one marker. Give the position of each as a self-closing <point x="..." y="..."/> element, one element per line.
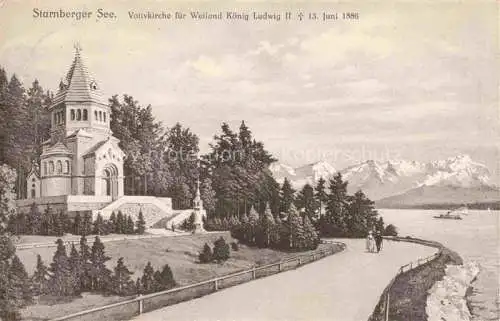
<point x="75" y="263"/>
<point x="65" y="222"/>
<point x="57" y="225"/>
<point x="121" y="283"/>
<point x="120" y="223"/>
<point x="296" y="230"/>
<point x="86" y="265"/>
<point x="112" y="222"/>
<point x="287" y="196"/>
<point x="320" y="194"/>
<point x="206" y="256"/>
<point x="86" y="226"/>
<point x="140" y="224"/>
<point x="99" y="227"/>
<point x="9" y="305"/>
<point x="130" y="225"/>
<point x="35" y="220"/>
<point x="147" y="279"/>
<point x="77" y="224"/>
<point x="99" y="274"/>
<point x="268" y="225"/>
<point x="252" y="225"/>
<point x="19" y="283"/>
<point x="311" y="236"/>
<point x="40" y="277"/>
<point x="61" y="280"/>
<point x="221" y="250"/>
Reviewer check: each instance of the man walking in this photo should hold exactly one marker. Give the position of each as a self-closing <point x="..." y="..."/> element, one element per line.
<point x="378" y="241"/>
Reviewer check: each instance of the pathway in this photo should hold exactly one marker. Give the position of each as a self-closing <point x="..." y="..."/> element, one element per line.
<point x="342" y="287"/>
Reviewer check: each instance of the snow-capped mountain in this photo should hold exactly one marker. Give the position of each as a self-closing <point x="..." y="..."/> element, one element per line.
<point x="384" y="179"/>
<point x="302" y="175"/>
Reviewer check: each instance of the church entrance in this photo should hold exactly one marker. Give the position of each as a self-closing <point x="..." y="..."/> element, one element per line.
<point x="110" y="181"/>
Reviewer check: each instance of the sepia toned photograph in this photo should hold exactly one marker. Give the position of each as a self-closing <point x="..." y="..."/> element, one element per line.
<point x="248" y="161"/>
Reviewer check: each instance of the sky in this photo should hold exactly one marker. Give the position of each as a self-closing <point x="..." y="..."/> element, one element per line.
<point x="405" y="81"/>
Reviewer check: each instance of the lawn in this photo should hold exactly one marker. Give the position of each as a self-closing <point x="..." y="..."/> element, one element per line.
<point x="179" y="252"/>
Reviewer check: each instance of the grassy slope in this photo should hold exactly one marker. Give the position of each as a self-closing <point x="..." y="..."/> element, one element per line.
<point x="179" y="252"/>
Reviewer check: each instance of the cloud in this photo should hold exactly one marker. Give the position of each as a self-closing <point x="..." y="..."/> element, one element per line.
<point x="206" y="66"/>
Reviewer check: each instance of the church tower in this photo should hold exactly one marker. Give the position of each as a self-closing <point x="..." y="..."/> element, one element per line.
<point x="81" y="157"/>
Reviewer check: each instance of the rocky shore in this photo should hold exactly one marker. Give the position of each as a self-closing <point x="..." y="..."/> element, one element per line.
<point x="447" y="297"/>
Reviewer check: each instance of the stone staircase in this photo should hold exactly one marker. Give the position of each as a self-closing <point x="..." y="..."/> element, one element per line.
<point x="153" y="208"/>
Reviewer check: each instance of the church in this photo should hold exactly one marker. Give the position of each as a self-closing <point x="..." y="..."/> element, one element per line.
<point x="81" y="165"/>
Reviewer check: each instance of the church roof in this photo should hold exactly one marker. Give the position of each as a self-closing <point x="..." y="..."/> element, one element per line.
<point x="57" y="148"/>
<point x="99" y="145"/>
<point x="79" y="85"/>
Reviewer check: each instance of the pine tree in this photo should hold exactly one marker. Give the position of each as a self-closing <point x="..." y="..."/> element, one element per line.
<point x="311" y="236"/>
<point x="164" y="280"/>
<point x="120" y="223"/>
<point x="86" y="226"/>
<point x="9" y="304"/>
<point x="147" y="279"/>
<point x="206" y="256"/>
<point x="20" y="282"/>
<point x="130" y="225"/>
<point x="268" y="225"/>
<point x="140" y="224"/>
<point x="287" y="196"/>
<point x="86" y="265"/>
<point x="121" y="283"/>
<point x="65" y="222"/>
<point x="77" y="224"/>
<point x="99" y="227"/>
<point x="334" y="222"/>
<point x="60" y="269"/>
<point x="40" y="277"/>
<point x="99" y="274"/>
<point x="296" y="230"/>
<point x="252" y="226"/>
<point x="75" y="263"/>
<point x="306" y="201"/>
<point x="221" y="250"/>
<point x="35" y="220"/>
<point x="320" y="194"/>
<point x="112" y="221"/>
<point x="57" y="225"/>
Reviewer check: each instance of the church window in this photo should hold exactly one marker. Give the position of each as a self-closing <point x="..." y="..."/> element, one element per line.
<point x="33" y="185"/>
<point x="104" y="116"/>
<point x="51" y="167"/>
<point x="44" y="168"/>
<point x="33" y="194"/>
<point x="66" y="167"/>
<point x="55" y="118"/>
<point x="95" y="114"/>
<point x="63" y="116"/>
<point x="78" y="114"/>
<point x="100" y="116"/>
<point x="59" y="167"/>
<point x="85" y="116"/>
<point x="72" y="114"/>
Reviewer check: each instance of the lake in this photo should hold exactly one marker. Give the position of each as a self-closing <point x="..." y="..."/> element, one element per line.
<point x="474" y="238"/>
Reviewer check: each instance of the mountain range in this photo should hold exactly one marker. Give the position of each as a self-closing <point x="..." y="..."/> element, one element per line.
<point x="405" y="183"/>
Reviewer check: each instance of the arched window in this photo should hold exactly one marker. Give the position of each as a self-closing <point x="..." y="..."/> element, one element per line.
<point x="63" y="116"/>
<point x="100" y="116"/>
<point x="85" y="116"/>
<point x="72" y="114"/>
<point x="78" y="114"/>
<point x="44" y="168"/>
<point x="59" y="167"/>
<point x="104" y="115"/>
<point x="51" y="167"/>
<point x="55" y="118"/>
<point x="95" y="114"/>
<point x="33" y="193"/>
<point x="33" y="180"/>
<point x="66" y="167"/>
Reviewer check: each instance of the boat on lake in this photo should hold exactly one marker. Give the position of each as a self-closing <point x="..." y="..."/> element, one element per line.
<point x="450" y="215"/>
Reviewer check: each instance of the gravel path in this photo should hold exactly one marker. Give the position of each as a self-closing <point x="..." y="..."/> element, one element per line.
<point x="342" y="287"/>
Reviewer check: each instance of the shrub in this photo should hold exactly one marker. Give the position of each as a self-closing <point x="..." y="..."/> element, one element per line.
<point x="391" y="230"/>
<point x="221" y="250"/>
<point x="235" y="246"/>
<point x="206" y="255"/>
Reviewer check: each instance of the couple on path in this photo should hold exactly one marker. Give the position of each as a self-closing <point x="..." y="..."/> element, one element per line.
<point x="374" y="243"/>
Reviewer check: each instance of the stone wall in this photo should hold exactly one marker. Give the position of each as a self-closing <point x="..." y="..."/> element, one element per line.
<point x="151" y="212"/>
